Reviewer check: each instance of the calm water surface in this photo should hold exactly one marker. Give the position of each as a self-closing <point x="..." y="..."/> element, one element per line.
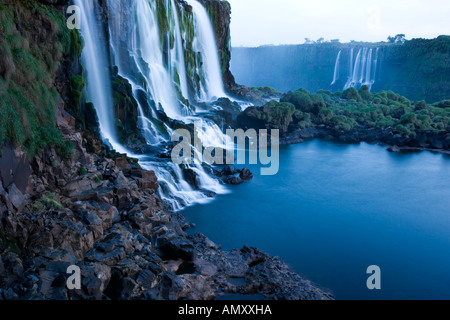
<point x="333" y="210"/>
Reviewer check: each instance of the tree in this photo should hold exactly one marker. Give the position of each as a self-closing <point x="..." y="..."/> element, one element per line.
<point x="399" y="38"/>
<point x="320" y="40"/>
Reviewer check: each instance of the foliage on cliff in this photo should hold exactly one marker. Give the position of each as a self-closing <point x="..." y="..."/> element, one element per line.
<point x="33" y="42"/>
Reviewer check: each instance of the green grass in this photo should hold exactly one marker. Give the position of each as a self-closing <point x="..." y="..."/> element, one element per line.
<point x="33" y="43"/>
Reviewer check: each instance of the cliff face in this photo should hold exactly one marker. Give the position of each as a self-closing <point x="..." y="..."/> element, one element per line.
<point x="418" y="69"/>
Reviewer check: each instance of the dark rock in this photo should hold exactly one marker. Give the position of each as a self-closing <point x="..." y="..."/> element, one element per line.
<point x="122" y="163"/>
<point x="2" y="268"/>
<point x="175" y="247"/>
<point x="145" y="179"/>
<point x="109" y="258"/>
<point x="246" y="174"/>
<point x="93" y="286"/>
<point x="168" y="288"/>
<point x="10" y="294"/>
<point x="145" y="278"/>
<point x="14" y="167"/>
<point x="191" y="177"/>
<point x="393" y="149"/>
<point x="228" y="170"/>
<point x="232" y="180"/>
<point x="15" y="196"/>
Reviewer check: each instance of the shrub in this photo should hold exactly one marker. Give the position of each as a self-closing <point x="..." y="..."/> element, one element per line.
<point x="351" y="93"/>
<point x="364" y="92"/>
<point x="421" y="105"/>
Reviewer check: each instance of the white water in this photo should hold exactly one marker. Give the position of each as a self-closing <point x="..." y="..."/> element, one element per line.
<point x="336" y="68"/>
<point x="94" y="59"/>
<point x="364" y="70"/>
<point x="136" y="51"/>
<point x="205" y="43"/>
<point x="177" y="54"/>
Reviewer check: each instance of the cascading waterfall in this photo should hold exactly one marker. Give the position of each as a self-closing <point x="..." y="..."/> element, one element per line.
<point x="368" y="75"/>
<point x="336" y="68"/>
<point x="364" y="69"/>
<point x="178" y="65"/>
<point x="136" y="50"/>
<point x="94" y="58"/>
<point x="205" y="42"/>
<point x="350" y="65"/>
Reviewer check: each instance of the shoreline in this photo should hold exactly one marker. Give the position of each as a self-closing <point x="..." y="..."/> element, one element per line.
<point x="104" y="216"/>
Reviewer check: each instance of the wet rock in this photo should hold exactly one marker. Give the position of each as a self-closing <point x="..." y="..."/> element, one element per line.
<point x="191" y="177"/>
<point x="234" y="180"/>
<point x="246" y="174"/>
<point x="393" y="149"/>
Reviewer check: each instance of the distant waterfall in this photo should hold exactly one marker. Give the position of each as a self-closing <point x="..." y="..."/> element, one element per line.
<point x="363" y="71"/>
<point x="336" y="68"/>
<point x="157" y="74"/>
<point x="205" y="44"/>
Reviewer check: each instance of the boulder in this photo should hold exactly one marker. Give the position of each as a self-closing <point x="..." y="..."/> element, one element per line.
<point x="173" y="247"/>
<point x="246" y="174"/>
<point x="16" y="197"/>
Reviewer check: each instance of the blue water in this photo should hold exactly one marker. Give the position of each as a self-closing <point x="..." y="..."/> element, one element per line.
<point x="333" y="210"/>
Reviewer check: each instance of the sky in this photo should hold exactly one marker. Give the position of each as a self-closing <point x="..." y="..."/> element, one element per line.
<point x="260" y="22"/>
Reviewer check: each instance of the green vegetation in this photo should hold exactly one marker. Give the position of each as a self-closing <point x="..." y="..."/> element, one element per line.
<point x="82" y="171"/>
<point x="49" y="201"/>
<point x="424" y="64"/>
<point x="33" y="42"/>
<point x="7" y="244"/>
<point x="266" y="92"/>
<point x="277" y="114"/>
<point x="346" y="110"/>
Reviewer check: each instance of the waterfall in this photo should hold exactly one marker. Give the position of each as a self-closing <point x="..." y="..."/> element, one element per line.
<point x="336" y="68"/>
<point x="205" y="43"/>
<point x="94" y="58"/>
<point x="368" y="75"/>
<point x="156" y="71"/>
<point x="363" y="65"/>
<point x="363" y="71"/>
<point x="177" y="54"/>
<point x="350" y="65"/>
